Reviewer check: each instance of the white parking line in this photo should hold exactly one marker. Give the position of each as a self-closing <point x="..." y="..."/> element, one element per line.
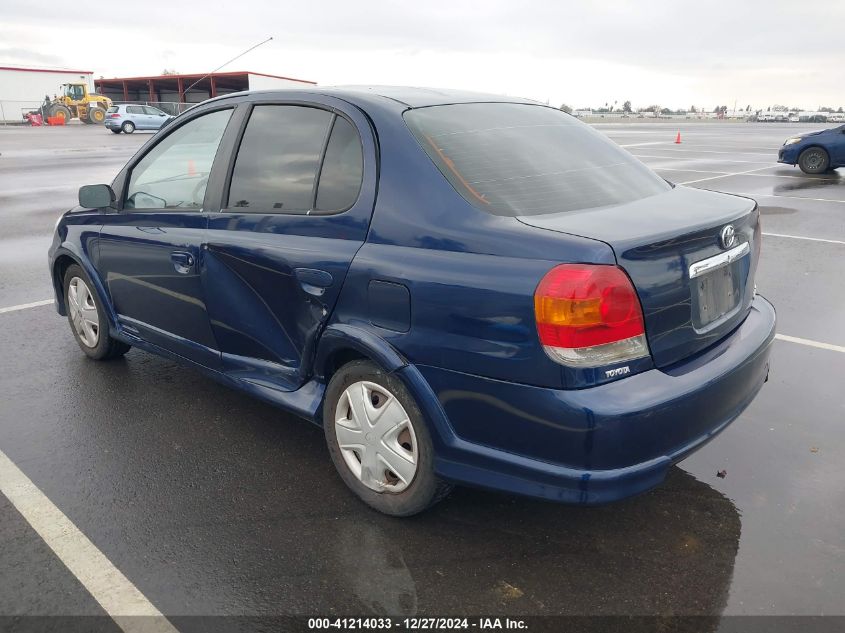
<point x="801" y="237"/>
<point x="809" y="343"/>
<point x="643" y="144"/>
<point x="26" y="306"/>
<point x="115" y="593"/>
<point x="720" y="160"/>
<point x="739" y="173"/>
<point x="771" y="195"/>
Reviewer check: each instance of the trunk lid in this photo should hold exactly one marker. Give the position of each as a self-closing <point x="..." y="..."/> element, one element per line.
<point x="657" y="240"/>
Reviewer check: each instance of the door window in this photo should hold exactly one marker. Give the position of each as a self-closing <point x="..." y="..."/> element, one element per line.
<point x="278" y="160"/>
<point x="134" y="110"/>
<point x="152" y="111"/>
<point x="174" y="173"/>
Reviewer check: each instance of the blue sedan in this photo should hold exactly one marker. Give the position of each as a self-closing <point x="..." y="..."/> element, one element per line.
<point x="458" y="288"/>
<point x="815" y="152"/>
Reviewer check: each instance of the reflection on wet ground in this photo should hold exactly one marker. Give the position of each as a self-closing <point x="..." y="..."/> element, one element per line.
<point x="670" y="551"/>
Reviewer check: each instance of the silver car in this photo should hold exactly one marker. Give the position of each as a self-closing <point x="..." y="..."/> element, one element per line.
<point x="128" y="118"/>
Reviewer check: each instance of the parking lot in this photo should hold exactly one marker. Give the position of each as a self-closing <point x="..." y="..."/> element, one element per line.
<point x="208" y="502"/>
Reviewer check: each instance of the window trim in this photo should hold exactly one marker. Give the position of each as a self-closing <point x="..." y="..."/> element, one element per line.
<point x="227" y="185"/>
<point x="155" y="142"/>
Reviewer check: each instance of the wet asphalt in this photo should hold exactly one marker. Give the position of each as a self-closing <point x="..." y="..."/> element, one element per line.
<point x="213" y="503"/>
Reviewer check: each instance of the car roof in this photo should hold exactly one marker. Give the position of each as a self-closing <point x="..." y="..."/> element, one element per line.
<point x="405" y="96"/>
<point x="414" y="97"/>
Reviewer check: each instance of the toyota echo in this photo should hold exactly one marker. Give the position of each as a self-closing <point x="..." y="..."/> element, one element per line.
<point x="458" y="288"/>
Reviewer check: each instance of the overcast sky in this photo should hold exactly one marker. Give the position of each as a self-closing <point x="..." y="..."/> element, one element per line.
<point x="584" y="53"/>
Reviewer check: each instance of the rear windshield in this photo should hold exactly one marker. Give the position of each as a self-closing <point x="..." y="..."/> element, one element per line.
<point x="112" y="109"/>
<point x="514" y="159"/>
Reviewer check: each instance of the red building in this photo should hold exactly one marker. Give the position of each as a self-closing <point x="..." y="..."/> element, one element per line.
<point x="191" y="88"/>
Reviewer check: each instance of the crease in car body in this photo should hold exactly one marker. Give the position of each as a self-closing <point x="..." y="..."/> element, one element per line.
<point x="509" y="307"/>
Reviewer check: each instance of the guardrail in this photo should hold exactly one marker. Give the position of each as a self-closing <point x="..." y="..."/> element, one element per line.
<point x="171" y="107"/>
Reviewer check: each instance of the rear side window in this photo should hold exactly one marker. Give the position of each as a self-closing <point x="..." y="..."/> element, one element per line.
<point x="112" y="109"/>
<point x="277" y="163"/>
<point x="514" y="159"/>
<point x="296" y="159"/>
<point x="343" y="168"/>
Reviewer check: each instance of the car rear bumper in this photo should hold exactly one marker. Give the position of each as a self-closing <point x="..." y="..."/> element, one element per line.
<point x="593" y="445"/>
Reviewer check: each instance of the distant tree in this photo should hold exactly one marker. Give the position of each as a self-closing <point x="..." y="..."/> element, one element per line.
<point x="566" y="108"/>
<point x="840" y="110"/>
<point x="665" y="111"/>
<point x="169" y="71"/>
<point x="693" y="109"/>
<point x="826" y="109"/>
<point x="626" y="107"/>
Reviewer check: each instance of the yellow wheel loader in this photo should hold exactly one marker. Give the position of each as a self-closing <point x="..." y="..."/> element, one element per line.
<point x="76" y="102"/>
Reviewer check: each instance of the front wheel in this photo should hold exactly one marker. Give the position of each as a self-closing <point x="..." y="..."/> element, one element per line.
<point x="87" y="321"/>
<point x="814" y="160"/>
<point x="379" y="442"/>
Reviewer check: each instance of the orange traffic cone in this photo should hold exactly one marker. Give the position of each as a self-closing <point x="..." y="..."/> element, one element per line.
<point x="678" y="139"/>
<point x="192" y="169"/>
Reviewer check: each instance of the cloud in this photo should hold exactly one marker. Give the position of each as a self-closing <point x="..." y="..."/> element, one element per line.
<point x="677" y="53"/>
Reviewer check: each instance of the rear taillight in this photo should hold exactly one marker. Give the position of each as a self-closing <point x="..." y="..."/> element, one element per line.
<point x="589" y="316"/>
<point x="114" y="116"/>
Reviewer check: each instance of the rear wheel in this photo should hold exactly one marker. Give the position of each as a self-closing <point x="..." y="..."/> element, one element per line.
<point x="814" y="160"/>
<point x="96" y="115"/>
<point x="87" y="322"/>
<point x="128" y="127"/>
<point x="379" y="442"/>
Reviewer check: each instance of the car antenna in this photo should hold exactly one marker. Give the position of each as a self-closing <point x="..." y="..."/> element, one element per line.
<point x="252" y="48"/>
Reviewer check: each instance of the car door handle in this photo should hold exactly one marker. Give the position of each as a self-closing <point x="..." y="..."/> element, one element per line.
<point x="313" y="281"/>
<point x="182" y="262"/>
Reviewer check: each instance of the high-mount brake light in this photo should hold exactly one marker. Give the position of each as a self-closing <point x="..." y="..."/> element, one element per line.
<point x="589" y="316"/>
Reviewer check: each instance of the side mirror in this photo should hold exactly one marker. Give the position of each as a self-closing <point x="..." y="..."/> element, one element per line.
<point x="96" y="196"/>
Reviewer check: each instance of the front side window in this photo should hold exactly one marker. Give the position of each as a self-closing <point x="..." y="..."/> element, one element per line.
<point x="153" y="111"/>
<point x="278" y="159"/>
<point x="519" y="159"/>
<point x="174" y="173"/>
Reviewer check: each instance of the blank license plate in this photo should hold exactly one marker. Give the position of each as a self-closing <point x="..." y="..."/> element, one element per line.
<point x="718" y="293"/>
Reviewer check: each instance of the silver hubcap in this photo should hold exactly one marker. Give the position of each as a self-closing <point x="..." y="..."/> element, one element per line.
<point x="376" y="437"/>
<point x="83" y="312"/>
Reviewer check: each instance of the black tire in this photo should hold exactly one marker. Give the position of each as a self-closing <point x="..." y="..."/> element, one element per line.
<point x="814" y="160"/>
<point x="425" y="489"/>
<point x="128" y="127"/>
<point x="96" y="115"/>
<point x="106" y="347"/>
<point x="60" y="111"/>
<point x="117" y="131"/>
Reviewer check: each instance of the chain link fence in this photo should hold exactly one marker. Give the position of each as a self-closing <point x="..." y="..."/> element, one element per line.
<point x="12" y="112"/>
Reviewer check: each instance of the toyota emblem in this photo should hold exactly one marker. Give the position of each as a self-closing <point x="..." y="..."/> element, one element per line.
<point x="728" y="236"/>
